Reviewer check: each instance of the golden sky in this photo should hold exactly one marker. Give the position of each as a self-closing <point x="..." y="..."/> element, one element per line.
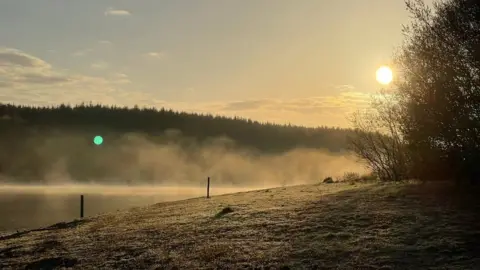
<point x="305" y="62"/>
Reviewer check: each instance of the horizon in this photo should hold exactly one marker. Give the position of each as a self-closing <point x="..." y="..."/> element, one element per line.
<point x="173" y="110"/>
<point x="308" y="63"/>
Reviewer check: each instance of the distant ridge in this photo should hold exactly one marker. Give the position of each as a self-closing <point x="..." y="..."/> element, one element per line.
<point x="266" y="137"/>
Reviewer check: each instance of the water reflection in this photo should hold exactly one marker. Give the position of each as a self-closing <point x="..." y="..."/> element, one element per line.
<point x="26" y="207"/>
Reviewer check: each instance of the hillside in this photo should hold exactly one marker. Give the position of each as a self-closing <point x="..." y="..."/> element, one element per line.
<point x="337" y="226"/>
<point x="41" y="143"/>
<point x="111" y="120"/>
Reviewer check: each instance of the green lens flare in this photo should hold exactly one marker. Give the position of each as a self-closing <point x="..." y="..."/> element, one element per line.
<point x="98" y="140"/>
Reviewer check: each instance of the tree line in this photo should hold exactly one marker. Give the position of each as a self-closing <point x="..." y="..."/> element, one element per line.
<point x="266" y="137"/>
<point x="35" y="138"/>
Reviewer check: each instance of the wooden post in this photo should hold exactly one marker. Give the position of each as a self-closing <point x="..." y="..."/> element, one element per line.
<point x="81" y="206"/>
<point x="208" y="187"/>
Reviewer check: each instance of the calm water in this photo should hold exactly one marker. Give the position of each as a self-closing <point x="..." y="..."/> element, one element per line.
<point x="26" y="207"/>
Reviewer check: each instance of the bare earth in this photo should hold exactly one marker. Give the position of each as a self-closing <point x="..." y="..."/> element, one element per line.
<point x="327" y="226"/>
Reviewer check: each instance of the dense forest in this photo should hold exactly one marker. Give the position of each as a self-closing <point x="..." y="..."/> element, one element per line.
<point x="33" y="139"/>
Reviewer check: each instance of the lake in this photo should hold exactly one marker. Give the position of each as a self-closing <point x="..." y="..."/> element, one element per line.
<point x="28" y="207"/>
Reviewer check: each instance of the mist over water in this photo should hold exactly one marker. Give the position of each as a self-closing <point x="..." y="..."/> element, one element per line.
<point x="133" y="171"/>
<point x="134" y="159"/>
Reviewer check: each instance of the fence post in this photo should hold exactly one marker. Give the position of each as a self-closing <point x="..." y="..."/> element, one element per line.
<point x="81" y="206"/>
<point x="208" y="187"/>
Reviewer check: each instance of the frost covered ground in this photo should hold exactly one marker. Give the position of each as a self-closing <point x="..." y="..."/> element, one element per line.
<point x="325" y="226"/>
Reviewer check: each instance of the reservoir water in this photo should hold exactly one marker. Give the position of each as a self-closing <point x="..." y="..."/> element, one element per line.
<point x="29" y="207"/>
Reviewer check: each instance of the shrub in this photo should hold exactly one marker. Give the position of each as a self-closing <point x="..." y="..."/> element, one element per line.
<point x="328" y="180"/>
<point x="351" y="176"/>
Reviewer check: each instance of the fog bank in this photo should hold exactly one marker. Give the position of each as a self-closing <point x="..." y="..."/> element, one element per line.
<point x="134" y="159"/>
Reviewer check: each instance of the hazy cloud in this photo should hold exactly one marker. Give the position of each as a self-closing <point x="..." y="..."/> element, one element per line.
<point x="105" y="42"/>
<point x="43" y="79"/>
<point x="248" y="105"/>
<point x="5" y="84"/>
<point x="311" y="105"/>
<point x="18" y="68"/>
<point x="82" y="52"/>
<point x="26" y="79"/>
<point x="120" y="78"/>
<point x="156" y="55"/>
<point x="345" y="87"/>
<point x="117" y="12"/>
<point x="100" y="65"/>
<point x="311" y="111"/>
<point x="15" y="58"/>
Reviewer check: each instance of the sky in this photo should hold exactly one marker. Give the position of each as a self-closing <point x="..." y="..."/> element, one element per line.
<point x="304" y="62"/>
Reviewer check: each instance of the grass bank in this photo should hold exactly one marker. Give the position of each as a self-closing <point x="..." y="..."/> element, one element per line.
<point x="327" y="226"/>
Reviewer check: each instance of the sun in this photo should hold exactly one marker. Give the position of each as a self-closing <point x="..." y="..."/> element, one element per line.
<point x="384" y="75"/>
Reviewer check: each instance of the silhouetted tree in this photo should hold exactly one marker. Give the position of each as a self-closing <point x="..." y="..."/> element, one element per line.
<point x="378" y="140"/>
<point x="437" y="90"/>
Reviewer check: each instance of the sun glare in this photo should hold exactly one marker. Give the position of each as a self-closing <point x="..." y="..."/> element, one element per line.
<point x="384" y="75"/>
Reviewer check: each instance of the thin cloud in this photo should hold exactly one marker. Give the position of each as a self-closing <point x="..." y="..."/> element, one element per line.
<point x="248" y="104"/>
<point x="156" y="55"/>
<point x="81" y="53"/>
<point x="18" y="68"/>
<point x="345" y="87"/>
<point x="311" y="105"/>
<point x="312" y="111"/>
<point x="6" y="84"/>
<point x="28" y="80"/>
<point x="16" y="58"/>
<point x="100" y="65"/>
<point x="104" y="42"/>
<point x="117" y="12"/>
<point x="47" y="79"/>
<point x="120" y="78"/>
<point x="120" y="75"/>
